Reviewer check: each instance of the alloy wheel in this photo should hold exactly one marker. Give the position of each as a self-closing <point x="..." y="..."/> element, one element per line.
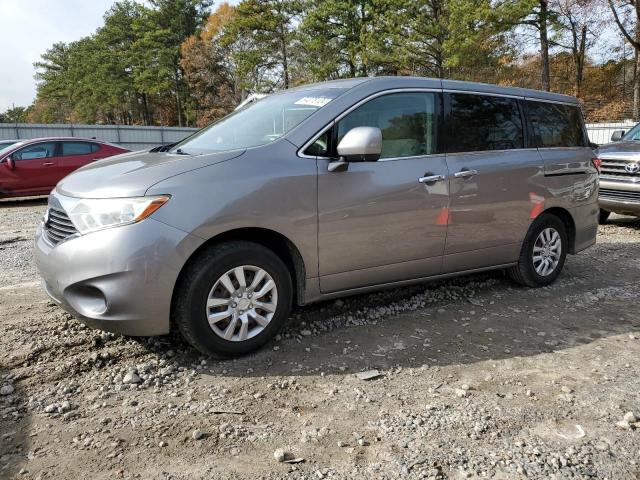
<point x="547" y="251"/>
<point x="241" y="303"/>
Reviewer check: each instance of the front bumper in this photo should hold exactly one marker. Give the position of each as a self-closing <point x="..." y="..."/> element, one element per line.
<point x="620" y="197"/>
<point x="119" y="279"/>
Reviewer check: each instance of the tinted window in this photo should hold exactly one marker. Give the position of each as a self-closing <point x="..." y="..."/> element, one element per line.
<point x="483" y="122"/>
<point x="407" y="122"/>
<point x="32" y="152"/>
<point x="95" y="147"/>
<point x="75" y="148"/>
<point x="556" y="125"/>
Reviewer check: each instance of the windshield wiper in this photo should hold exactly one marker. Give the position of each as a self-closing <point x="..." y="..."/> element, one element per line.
<point x="163" y="148"/>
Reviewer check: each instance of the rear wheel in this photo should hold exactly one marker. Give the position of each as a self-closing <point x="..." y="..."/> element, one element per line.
<point x="604" y="216"/>
<point x="543" y="252"/>
<point x="233" y="299"/>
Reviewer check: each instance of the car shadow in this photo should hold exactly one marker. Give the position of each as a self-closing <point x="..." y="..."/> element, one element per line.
<point x="460" y="321"/>
<point x="625" y="221"/>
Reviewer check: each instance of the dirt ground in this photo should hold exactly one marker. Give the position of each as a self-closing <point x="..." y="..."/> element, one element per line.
<point x="478" y="378"/>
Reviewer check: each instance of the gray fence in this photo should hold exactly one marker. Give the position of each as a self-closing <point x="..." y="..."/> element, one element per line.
<point x="600" y="133"/>
<point x="132" y="137"/>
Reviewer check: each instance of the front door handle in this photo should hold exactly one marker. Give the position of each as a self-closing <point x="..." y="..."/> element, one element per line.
<point x="47" y="164"/>
<point x="431" y="179"/>
<point x="465" y="173"/>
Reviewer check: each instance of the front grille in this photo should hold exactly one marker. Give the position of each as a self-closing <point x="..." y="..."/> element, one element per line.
<point x="616" y="168"/>
<point x="58" y="227"/>
<point x="620" y="195"/>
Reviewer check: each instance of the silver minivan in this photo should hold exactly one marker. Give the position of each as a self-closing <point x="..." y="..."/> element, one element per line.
<point x="317" y="192"/>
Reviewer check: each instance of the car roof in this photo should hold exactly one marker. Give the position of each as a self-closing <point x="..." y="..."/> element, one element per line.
<point x="19" y="143"/>
<point x="447" y="85"/>
<point x="57" y="139"/>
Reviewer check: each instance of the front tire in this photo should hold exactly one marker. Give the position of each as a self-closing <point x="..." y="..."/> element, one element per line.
<point x="232" y="299"/>
<point x="543" y="252"/>
<point x="603" y="217"/>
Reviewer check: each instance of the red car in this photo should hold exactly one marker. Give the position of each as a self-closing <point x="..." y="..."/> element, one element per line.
<point x="34" y="167"/>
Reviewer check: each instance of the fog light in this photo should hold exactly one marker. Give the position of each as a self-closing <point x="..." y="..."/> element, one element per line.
<point x="86" y="300"/>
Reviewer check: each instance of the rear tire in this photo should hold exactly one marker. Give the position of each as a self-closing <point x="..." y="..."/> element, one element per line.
<point x="543" y="252"/>
<point x="219" y="315"/>
<point x="604" y="216"/>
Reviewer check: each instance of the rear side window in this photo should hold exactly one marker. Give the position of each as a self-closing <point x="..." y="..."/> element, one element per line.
<point x="407" y="122"/>
<point x="482" y="122"/>
<point x="95" y="147"/>
<point x="556" y="124"/>
<point x="76" y="148"/>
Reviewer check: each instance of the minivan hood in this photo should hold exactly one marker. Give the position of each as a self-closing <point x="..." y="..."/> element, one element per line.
<point x="131" y="174"/>
<point x="619" y="147"/>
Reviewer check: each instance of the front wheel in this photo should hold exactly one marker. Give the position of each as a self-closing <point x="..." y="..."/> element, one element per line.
<point x="233" y="298"/>
<point x="543" y="252"/>
<point x="603" y="217"/>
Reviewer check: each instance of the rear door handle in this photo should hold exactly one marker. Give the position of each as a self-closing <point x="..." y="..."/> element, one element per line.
<point x="431" y="179"/>
<point x="47" y="164"/>
<point x="465" y="173"/>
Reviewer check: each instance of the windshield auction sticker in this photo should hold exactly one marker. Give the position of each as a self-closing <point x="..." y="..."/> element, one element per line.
<point x="313" y="101"/>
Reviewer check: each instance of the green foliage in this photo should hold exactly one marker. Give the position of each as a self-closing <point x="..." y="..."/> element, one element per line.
<point x="127" y="72"/>
<point x="14" y="115"/>
<point x="172" y="62"/>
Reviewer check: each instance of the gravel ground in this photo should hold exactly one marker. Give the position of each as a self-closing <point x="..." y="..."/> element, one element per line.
<point x="474" y="378"/>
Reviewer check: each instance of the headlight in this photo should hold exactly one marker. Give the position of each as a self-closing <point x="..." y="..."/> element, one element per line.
<point x="91" y="214"/>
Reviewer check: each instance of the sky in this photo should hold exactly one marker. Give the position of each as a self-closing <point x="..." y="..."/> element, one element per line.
<point x="28" y="28"/>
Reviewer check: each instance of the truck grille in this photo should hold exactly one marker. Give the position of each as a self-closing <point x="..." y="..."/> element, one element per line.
<point x="617" y="168"/>
<point x="58" y="226"/>
<point x="619" y="195"/>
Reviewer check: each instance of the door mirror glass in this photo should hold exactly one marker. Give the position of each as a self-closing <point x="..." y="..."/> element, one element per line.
<point x="617" y="135"/>
<point x="361" y="144"/>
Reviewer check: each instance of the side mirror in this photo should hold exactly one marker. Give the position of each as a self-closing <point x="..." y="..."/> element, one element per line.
<point x="361" y="144"/>
<point x="617" y="135"/>
<point x="10" y="162"/>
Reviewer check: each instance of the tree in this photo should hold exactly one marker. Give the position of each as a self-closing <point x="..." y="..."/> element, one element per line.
<point x="626" y="14"/>
<point x="160" y="34"/>
<point x="465" y="35"/>
<point x="540" y="19"/>
<point x="14" y="115"/>
<point x="578" y="24"/>
<point x="347" y="38"/>
<point x="207" y="70"/>
<point x="271" y="24"/>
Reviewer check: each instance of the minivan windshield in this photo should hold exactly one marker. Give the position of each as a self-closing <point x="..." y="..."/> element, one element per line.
<point x="633" y="134"/>
<point x="258" y="123"/>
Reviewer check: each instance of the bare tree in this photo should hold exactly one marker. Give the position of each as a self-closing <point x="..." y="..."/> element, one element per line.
<point x="578" y="24"/>
<point x="626" y="14"/>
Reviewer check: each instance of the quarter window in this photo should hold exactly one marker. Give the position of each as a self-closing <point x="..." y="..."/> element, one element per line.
<point x="556" y="125"/>
<point x="483" y="122"/>
<point x="320" y="148"/>
<point x="407" y="122"/>
<point x="34" y="152"/>
<point x="76" y="148"/>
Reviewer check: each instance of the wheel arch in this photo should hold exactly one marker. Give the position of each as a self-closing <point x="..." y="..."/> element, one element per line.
<point x="569" y="224"/>
<point x="284" y="248"/>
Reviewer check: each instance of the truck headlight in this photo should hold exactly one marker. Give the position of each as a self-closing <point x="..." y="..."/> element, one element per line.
<point x="91" y="214"/>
